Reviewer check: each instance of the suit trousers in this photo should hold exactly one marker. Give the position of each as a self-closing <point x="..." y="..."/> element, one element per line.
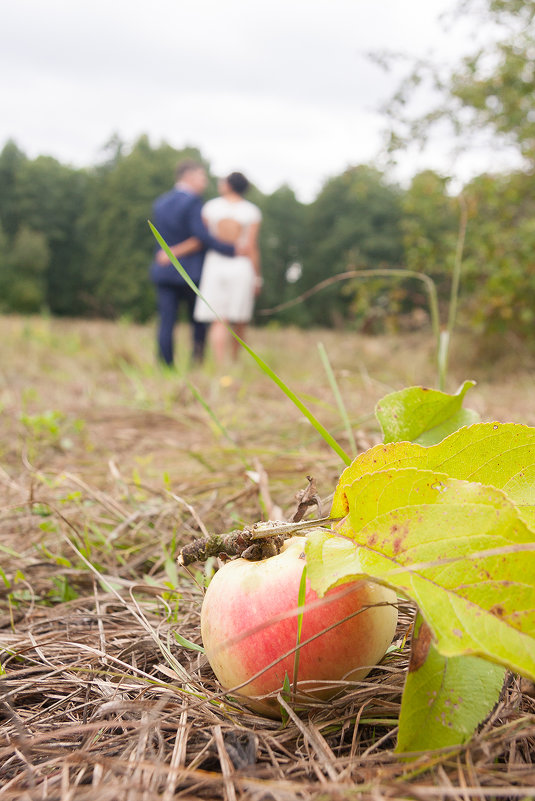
<point x="170" y="298"/>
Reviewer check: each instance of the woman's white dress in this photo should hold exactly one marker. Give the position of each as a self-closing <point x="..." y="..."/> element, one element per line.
<point x="227" y="282"/>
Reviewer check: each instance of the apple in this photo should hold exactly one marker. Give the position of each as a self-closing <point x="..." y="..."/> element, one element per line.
<point x="249" y="621"/>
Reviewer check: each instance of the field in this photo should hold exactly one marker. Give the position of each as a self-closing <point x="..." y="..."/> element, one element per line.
<point x="107" y="466"/>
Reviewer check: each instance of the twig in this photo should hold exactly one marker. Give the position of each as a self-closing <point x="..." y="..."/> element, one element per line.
<point x="307" y="497"/>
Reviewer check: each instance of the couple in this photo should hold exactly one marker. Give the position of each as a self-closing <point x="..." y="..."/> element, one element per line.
<point x="217" y="244"/>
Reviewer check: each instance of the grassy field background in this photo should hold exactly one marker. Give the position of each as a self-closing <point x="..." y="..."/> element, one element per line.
<point x="107" y="465"/>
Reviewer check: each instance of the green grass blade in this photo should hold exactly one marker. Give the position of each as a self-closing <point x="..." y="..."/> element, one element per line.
<point x="301" y="606"/>
<point x="338" y="396"/>
<point x="206" y="406"/>
<point x="322" y="431"/>
<point x="266" y="369"/>
<point x="191" y="646"/>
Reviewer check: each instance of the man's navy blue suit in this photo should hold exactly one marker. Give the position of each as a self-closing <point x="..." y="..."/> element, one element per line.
<point x="177" y="216"/>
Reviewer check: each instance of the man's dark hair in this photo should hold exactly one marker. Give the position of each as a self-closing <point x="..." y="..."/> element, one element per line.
<point x="187" y="165"/>
<point x="238" y="182"/>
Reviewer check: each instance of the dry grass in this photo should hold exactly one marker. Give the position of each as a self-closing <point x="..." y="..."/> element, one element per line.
<point x="106" y="467"/>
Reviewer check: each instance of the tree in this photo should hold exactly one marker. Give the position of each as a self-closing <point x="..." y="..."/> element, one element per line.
<point x="51" y="199"/>
<point x="22" y="272"/>
<point x="45" y="197"/>
<point x="430" y="227"/>
<point x="500" y="95"/>
<point x="499" y="265"/>
<point x="12" y="160"/>
<point x="354" y="222"/>
<point x="491" y="90"/>
<point x="282" y="239"/>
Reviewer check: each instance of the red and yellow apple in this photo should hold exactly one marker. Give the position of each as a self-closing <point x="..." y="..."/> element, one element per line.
<point x="249" y="622"/>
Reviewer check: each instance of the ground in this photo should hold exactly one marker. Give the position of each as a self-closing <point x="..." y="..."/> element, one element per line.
<point x="107" y="465"/>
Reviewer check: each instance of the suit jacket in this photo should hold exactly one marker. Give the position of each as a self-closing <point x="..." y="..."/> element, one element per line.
<point x="177" y="216"/>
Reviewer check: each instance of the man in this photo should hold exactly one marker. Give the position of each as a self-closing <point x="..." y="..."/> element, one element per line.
<point x="177" y="217"/>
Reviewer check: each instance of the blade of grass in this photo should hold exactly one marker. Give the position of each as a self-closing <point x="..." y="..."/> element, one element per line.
<point x="191" y="646"/>
<point x="301" y="606"/>
<point x="338" y="396"/>
<point x="206" y="406"/>
<point x="266" y="369"/>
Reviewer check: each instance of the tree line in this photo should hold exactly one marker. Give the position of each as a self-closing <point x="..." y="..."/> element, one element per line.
<point x="76" y="242"/>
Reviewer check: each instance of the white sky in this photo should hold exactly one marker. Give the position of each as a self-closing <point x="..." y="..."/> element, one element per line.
<point x="279" y="89"/>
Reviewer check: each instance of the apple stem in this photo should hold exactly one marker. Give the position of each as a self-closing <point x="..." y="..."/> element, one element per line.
<point x="256" y="542"/>
<point x="235" y="543"/>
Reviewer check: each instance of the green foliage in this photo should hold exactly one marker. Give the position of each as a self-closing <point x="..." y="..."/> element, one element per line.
<point x="498" y="270"/>
<point x="12" y="161"/>
<point x="47" y="424"/>
<point x="430" y="224"/>
<point x="45" y="198"/>
<point x="423" y="415"/>
<point x="444" y="700"/>
<point x="50" y="200"/>
<point x="63" y="591"/>
<point x="282" y="243"/>
<point x="22" y="272"/>
<point x="490" y="90"/>
<point x="354" y="222"/>
<point x="499" y="454"/>
<point x="50" y="428"/>
<point x="500" y="96"/>
<point x="488" y="95"/>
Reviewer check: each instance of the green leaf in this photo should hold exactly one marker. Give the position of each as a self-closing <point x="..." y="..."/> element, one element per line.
<point x="464" y="417"/>
<point x="418" y="414"/>
<point x="498" y="454"/>
<point x="460" y="550"/>
<point x="444" y="699"/>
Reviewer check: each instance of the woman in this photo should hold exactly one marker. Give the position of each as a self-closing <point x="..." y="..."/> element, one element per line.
<point x="230" y="283"/>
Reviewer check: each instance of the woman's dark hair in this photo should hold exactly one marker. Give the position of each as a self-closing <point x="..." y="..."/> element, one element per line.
<point x="238" y="182"/>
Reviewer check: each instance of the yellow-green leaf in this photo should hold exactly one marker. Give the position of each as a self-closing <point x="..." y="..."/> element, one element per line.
<point x="460" y="550"/>
<point x="497" y="454"/>
<point x="423" y="415"/>
<point x="444" y="699"/>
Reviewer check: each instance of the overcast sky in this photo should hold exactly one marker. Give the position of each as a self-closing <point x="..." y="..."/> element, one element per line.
<point x="280" y="89"/>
